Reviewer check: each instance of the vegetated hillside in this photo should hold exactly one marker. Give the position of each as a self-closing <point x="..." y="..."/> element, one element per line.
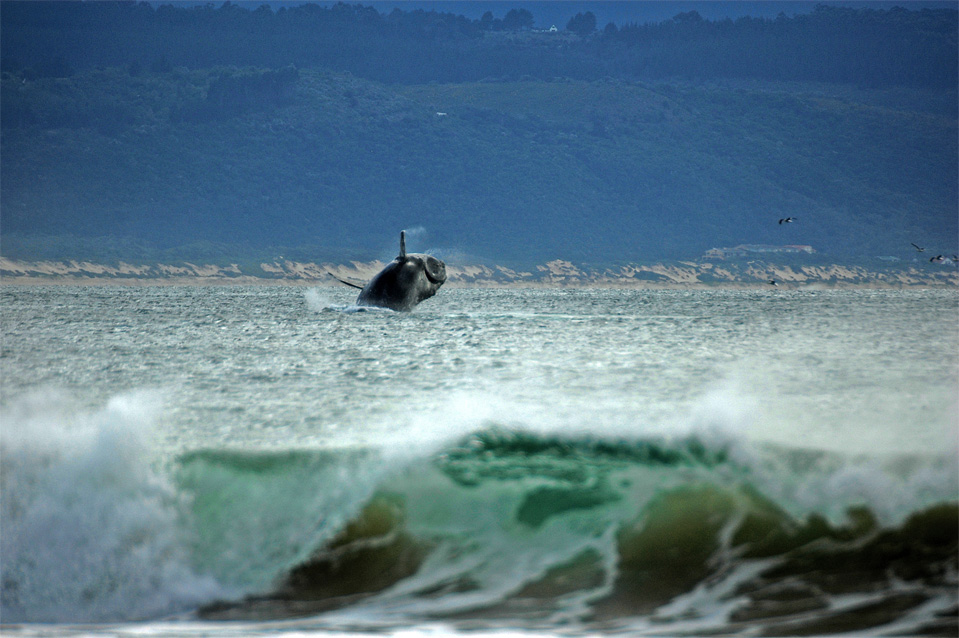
<point x="133" y="130"/>
<point x="324" y="165"/>
<point x="878" y="48"/>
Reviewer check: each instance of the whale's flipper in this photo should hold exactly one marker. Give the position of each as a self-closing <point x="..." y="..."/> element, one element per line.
<point x="343" y="281"/>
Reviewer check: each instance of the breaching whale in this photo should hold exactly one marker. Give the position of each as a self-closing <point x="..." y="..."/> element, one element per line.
<point x="404" y="282"/>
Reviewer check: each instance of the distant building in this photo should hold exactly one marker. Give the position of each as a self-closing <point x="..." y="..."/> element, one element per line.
<point x="744" y="250"/>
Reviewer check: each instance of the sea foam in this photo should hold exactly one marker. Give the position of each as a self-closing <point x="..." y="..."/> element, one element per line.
<point x="90" y="531"/>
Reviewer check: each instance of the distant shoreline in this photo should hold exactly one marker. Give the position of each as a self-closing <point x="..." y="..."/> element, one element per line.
<point x="251" y="282"/>
<point x="553" y="274"/>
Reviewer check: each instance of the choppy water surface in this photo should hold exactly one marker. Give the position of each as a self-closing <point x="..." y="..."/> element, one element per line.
<point x="494" y="459"/>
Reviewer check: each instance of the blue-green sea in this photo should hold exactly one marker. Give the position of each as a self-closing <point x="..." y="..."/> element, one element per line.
<point x="272" y="460"/>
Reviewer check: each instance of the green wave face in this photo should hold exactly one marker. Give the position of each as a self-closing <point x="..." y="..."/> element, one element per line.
<point x="511" y="527"/>
<point x="254" y="515"/>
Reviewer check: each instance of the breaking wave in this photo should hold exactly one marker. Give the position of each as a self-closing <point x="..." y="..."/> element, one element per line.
<point x="502" y="527"/>
<point x="89" y="531"/>
<point x="647" y="535"/>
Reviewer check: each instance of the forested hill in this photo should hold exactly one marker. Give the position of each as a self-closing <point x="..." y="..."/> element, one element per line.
<point x="866" y="47"/>
<point x="317" y="133"/>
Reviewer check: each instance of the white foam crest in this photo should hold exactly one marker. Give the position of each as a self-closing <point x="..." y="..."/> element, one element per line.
<point x="353" y="308"/>
<point x="90" y="531"/>
<point x="317" y="301"/>
<point x="891" y="497"/>
<point x="724" y="407"/>
<point x="716" y="419"/>
<point x="729" y="415"/>
<point x="431" y="429"/>
<point x="726" y="416"/>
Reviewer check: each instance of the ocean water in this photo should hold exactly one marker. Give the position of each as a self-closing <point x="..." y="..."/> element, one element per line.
<point x="224" y="461"/>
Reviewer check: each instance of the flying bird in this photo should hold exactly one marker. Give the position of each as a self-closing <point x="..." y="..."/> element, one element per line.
<point x="773" y="282"/>
<point x="787" y="220"/>
<point x="919" y="248"/>
<point x="937" y="258"/>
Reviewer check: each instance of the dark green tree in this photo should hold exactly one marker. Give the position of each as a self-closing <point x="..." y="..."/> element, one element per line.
<point x="518" y="20"/>
<point x="582" y="24"/>
<point x="486" y="21"/>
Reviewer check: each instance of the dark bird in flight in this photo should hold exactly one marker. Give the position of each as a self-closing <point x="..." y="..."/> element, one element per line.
<point x="919" y="248"/>
<point x="937" y="258"/>
<point x="773" y="282"/>
<point x="787" y="220"/>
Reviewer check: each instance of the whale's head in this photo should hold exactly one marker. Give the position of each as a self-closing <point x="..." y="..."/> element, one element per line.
<point x="433" y="268"/>
<point x="418" y="277"/>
